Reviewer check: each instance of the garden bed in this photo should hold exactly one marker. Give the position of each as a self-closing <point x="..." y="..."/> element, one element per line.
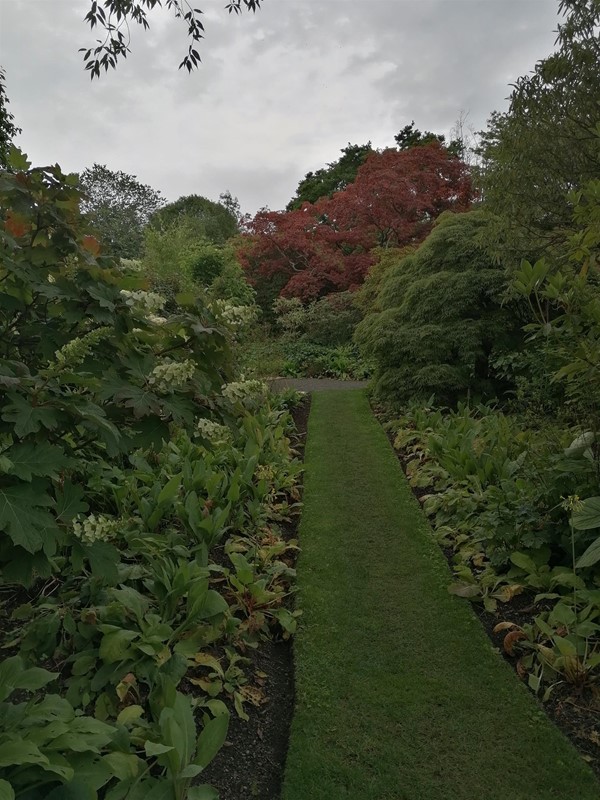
<point x="252" y="761"/>
<point x="577" y="715"/>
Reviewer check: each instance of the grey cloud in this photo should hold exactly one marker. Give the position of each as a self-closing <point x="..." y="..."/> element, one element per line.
<point x="277" y="94"/>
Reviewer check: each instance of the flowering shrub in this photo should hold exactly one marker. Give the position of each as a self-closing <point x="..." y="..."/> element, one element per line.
<point x="94" y="528"/>
<point x="247" y="393"/>
<point x="171" y="375"/>
<point x="113" y="496"/>
<point x="144" y="302"/>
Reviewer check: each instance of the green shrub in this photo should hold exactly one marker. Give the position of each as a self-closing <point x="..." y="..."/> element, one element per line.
<point x="438" y="317"/>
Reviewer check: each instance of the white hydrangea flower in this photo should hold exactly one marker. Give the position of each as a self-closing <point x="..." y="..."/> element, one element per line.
<point x="156" y="320"/>
<point x="172" y="374"/>
<point x="144" y="302"/>
<point x="95" y="528"/>
<point x="237" y="316"/>
<point x="75" y="352"/>
<point x="245" y="391"/>
<point x="213" y="431"/>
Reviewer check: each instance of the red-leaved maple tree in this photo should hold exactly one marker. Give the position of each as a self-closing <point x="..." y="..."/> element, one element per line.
<point x="327" y="246"/>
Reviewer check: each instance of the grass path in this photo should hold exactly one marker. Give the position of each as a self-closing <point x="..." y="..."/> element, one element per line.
<point x="400" y="695"/>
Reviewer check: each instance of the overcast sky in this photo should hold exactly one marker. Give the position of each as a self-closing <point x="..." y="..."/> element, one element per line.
<point x="278" y="93"/>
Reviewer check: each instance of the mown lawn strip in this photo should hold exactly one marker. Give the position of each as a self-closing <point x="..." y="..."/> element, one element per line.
<point x="399" y="694"/>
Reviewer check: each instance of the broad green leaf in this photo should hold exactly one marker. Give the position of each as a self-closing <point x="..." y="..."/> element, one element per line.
<point x="591" y="555"/>
<point x="10" y="669"/>
<point x="588" y="516"/>
<point x="191" y="771"/>
<point x="170" y="491"/>
<point x="523" y="561"/>
<point x="211" y="740"/>
<point x="70" y="502"/>
<point x="6" y="791"/>
<point x="74" y="790"/>
<point x="104" y="559"/>
<point x="115" y="645"/>
<point x="204" y="792"/>
<point x="130" y="714"/>
<point x="210" y="605"/>
<point x="17" y="159"/>
<point x="22" y="517"/>
<point x="19" y="751"/>
<point x="287" y="621"/>
<point x="43" y="459"/>
<point x="243" y="570"/>
<point x="156" y="748"/>
<point x="132" y="600"/>
<point x="124" y="765"/>
<point x="566" y="648"/>
<point x="562" y="614"/>
<point x="27" y="418"/>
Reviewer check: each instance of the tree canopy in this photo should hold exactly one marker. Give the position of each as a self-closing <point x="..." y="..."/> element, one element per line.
<point x="332" y="178"/>
<point x="546" y="144"/>
<point x="215" y="222"/>
<point x="410" y="136"/>
<point x="326" y="246"/>
<point x="119" y="207"/>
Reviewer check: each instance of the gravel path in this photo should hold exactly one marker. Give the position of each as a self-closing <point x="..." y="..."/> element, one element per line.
<point x="313" y="384"/>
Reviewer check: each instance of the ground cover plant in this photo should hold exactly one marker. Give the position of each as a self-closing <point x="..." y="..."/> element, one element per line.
<point x="398" y="693"/>
<point x="142" y="494"/>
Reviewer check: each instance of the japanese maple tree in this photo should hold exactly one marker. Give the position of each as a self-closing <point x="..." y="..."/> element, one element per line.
<point x="327" y="246"/>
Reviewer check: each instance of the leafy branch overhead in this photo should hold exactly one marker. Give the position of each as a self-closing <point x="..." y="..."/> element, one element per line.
<point x="114" y="17"/>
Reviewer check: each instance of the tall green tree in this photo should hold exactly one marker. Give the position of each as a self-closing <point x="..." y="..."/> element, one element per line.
<point x="8" y="129"/>
<point x="332" y="178"/>
<point x="410" y="136"/>
<point x="545" y="145"/>
<point x="215" y="222"/>
<point x="119" y="206"/>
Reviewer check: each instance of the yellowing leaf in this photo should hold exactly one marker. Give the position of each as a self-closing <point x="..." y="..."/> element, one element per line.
<point x="206" y="660"/>
<point x="91" y="244"/>
<point x="16" y="225"/>
<point x="504" y="626"/>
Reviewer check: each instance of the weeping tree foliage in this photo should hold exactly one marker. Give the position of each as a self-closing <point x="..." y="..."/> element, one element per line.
<point x="438" y="316"/>
<point x="544" y="146"/>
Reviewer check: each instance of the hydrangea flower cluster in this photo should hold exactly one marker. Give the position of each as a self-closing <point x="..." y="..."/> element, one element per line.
<point x="237" y="316"/>
<point x="172" y="374"/>
<point x="95" y="528"/>
<point x="244" y="391"/>
<point x="144" y="302"/>
<point x="155" y="319"/>
<point x="74" y="352"/>
<point x="213" y="431"/>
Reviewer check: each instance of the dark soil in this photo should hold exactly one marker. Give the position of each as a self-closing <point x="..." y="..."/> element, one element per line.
<point x="251" y="764"/>
<point x="577" y="715"/>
